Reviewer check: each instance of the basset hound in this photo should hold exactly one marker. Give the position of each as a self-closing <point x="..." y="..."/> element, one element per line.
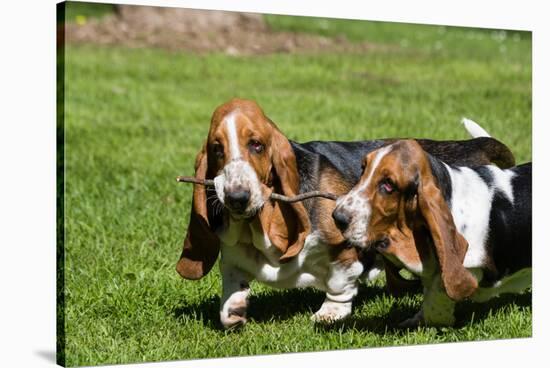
<point x="284" y="245"/>
<point x="464" y="231"/>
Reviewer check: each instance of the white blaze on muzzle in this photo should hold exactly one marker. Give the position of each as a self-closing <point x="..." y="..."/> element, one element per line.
<point x="238" y="175"/>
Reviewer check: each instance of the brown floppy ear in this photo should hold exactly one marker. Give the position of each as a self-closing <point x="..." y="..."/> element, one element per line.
<point x="201" y="245"/>
<point x="450" y="246"/>
<point x="289" y="222"/>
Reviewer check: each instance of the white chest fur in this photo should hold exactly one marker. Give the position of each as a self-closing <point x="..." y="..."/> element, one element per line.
<point x="247" y="254"/>
<point x="247" y="248"/>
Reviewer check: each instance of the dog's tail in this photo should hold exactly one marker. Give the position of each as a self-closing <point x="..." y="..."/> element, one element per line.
<point x="474" y="129"/>
<point x="495" y="151"/>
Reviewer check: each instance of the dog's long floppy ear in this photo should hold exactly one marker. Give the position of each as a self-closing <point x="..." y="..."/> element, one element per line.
<point x="201" y="245"/>
<point x="450" y="245"/>
<point x="289" y="222"/>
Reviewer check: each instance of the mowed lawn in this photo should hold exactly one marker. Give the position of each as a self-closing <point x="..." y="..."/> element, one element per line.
<point x="135" y="119"/>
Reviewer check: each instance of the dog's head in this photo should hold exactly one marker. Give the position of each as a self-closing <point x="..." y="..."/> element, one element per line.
<point x="248" y="157"/>
<point x="398" y="208"/>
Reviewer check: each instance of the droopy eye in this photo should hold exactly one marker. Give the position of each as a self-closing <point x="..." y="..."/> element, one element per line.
<point x="218" y="150"/>
<point x="387" y="186"/>
<point x="256" y="146"/>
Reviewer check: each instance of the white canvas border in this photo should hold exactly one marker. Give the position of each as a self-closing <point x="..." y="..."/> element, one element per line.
<point x="27" y="144"/>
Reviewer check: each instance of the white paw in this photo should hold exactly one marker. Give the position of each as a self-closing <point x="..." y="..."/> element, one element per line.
<point x="230" y="321"/>
<point x="331" y="312"/>
<point x="233" y="312"/>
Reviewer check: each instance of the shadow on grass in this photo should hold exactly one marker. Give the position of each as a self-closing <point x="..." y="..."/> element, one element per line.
<point x="380" y="324"/>
<point x="207" y="311"/>
<point x="466" y="313"/>
<point x="281" y="305"/>
<point x="469" y="312"/>
<point x="273" y="305"/>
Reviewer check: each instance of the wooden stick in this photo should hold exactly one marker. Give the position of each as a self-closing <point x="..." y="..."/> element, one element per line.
<point x="303" y="196"/>
<point x="274" y="196"/>
<point x="192" y="179"/>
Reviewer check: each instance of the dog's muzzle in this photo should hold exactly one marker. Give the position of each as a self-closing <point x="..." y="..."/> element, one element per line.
<point x="237" y="201"/>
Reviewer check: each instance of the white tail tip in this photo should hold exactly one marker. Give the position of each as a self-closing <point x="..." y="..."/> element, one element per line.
<point x="474" y="129"/>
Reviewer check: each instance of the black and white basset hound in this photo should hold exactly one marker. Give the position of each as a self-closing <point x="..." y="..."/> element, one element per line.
<point x="280" y="244"/>
<point x="464" y="231"/>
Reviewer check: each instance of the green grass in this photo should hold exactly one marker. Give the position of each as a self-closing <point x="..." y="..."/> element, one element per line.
<point x="136" y="118"/>
<point x="446" y="41"/>
<point x="81" y="11"/>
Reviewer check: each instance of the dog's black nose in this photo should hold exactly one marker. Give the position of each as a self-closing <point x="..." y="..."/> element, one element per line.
<point x="238" y="200"/>
<point x="341" y="219"/>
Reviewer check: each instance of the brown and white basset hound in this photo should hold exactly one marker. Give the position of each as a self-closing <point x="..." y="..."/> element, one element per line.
<point x="280" y="244"/>
<point x="464" y="231"/>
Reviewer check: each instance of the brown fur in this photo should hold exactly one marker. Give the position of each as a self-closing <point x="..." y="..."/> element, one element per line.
<point x="450" y="245"/>
<point x="196" y="262"/>
<point x="330" y="181"/>
<point x="344" y="254"/>
<point x="276" y="169"/>
<point x="290" y="222"/>
<point x="415" y="219"/>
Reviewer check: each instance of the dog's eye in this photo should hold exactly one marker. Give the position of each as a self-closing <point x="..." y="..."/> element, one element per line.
<point x="387" y="186"/>
<point x="256" y="146"/>
<point x="218" y="150"/>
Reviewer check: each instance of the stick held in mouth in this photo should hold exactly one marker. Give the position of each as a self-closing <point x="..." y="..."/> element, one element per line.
<point x="273" y="196"/>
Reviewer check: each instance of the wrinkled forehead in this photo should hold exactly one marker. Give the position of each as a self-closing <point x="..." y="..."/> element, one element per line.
<point x="395" y="160"/>
<point x="242" y="123"/>
<point x="375" y="160"/>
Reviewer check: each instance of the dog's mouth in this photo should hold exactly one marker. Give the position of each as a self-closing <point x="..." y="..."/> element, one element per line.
<point x="240" y="215"/>
<point x="356" y="242"/>
<point x="243" y="214"/>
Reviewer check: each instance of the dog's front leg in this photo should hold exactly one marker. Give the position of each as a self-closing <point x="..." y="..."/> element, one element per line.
<point x="234" y="302"/>
<point x="341" y="289"/>
<point x="437" y="308"/>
